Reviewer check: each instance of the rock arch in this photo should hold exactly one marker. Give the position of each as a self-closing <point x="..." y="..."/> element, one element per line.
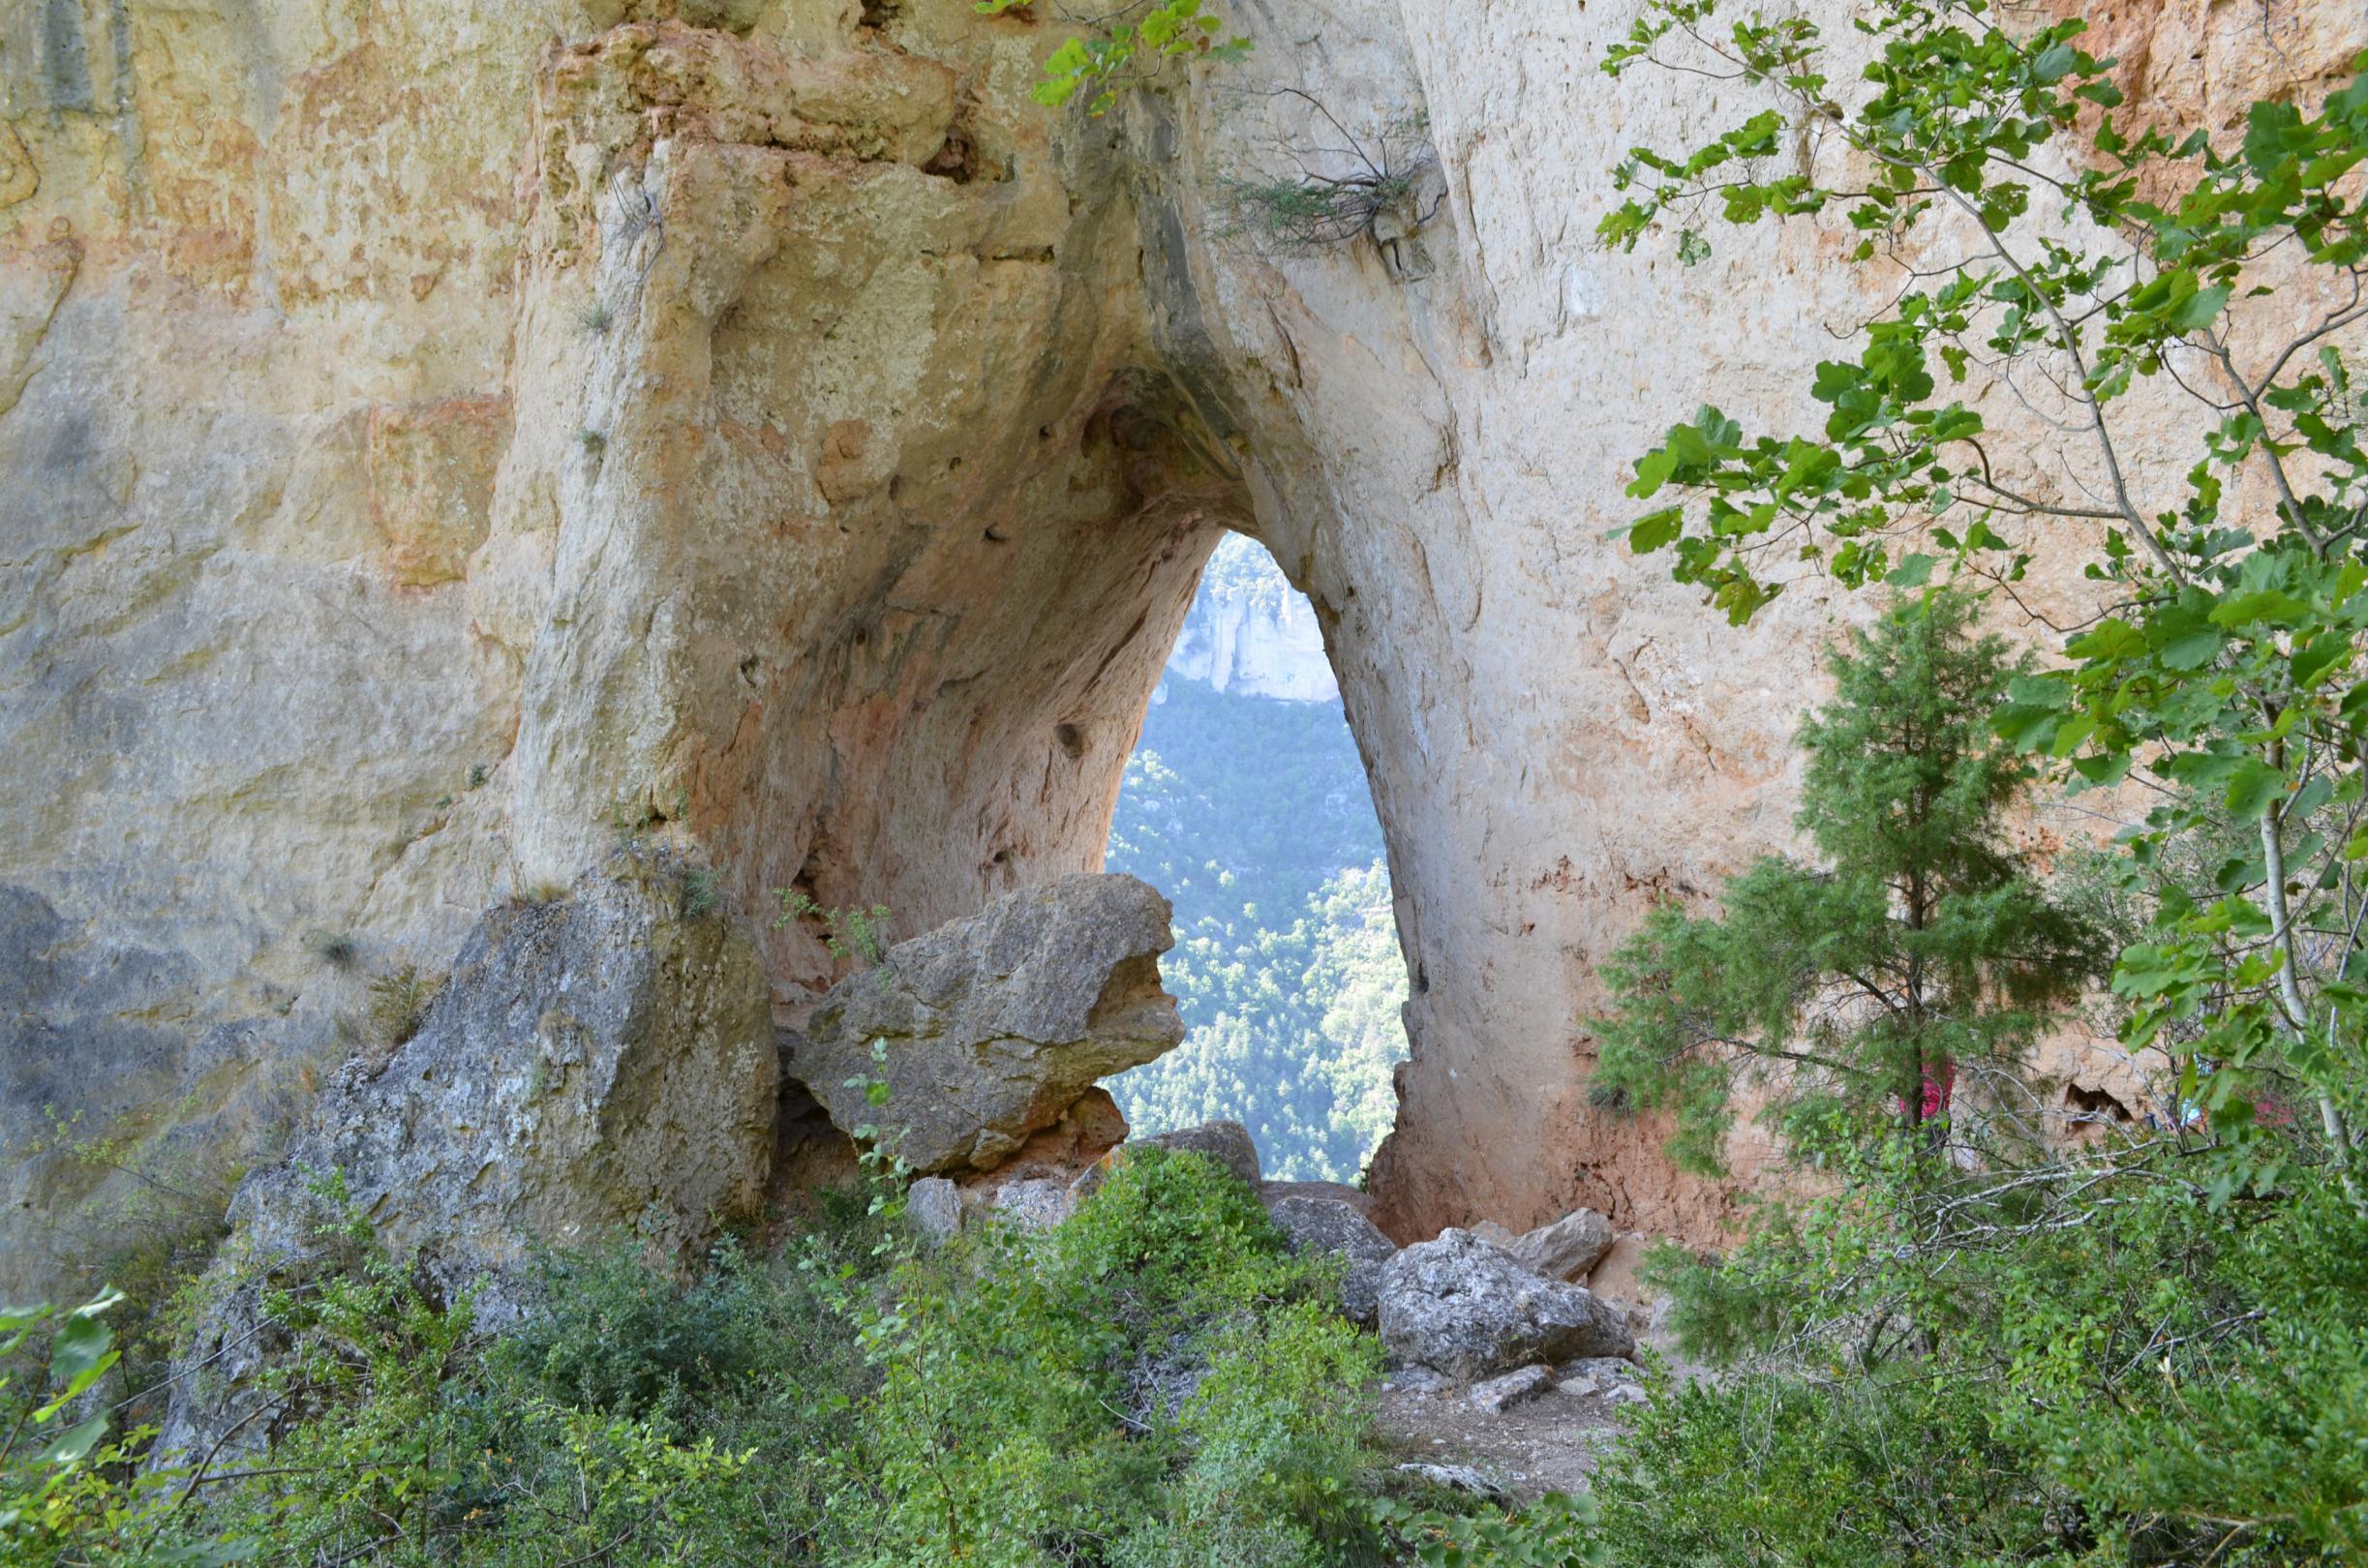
<point x="442" y="439"/>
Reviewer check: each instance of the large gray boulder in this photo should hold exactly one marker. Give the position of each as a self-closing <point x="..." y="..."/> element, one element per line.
<point x="1567" y="1249"/>
<point x="1460" y="1306"/>
<point x="993" y="1026"/>
<point x="596" y="1065"/>
<point x="1323" y="1224"/>
<point x="600" y="1061"/>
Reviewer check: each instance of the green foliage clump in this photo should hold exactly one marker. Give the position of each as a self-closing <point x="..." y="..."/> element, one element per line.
<point x="2075" y="1364"/>
<point x="1114" y="55"/>
<point x="701" y="896"/>
<point x="853" y="935"/>
<point x="1918" y="950"/>
<point x="1778" y="1471"/>
<point x="1165" y="1375"/>
<point x="1158" y="1382"/>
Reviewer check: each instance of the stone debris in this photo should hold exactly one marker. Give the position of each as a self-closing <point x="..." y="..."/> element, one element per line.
<point x="1038" y="1203"/>
<point x="1604" y="1369"/>
<point x="1462" y="1307"/>
<point x="1329" y="1226"/>
<point x="992" y="1027"/>
<point x="1566" y="1250"/>
<point x="1498" y="1395"/>
<point x="1459" y="1477"/>
<point x="934" y="1206"/>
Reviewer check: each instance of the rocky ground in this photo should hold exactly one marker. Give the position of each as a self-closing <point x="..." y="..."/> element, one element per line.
<point x="608" y="1059"/>
<point x="1545" y="1444"/>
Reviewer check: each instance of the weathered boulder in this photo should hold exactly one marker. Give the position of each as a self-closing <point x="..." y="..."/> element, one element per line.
<point x="934" y="1206"/>
<point x="993" y="1026"/>
<point x="1032" y="1203"/>
<point x="1461" y="1307"/>
<point x="595" y="1062"/>
<point x="593" y="1065"/>
<point x="1356" y="1198"/>
<point x="1226" y="1142"/>
<point x="1567" y="1249"/>
<point x="1329" y="1226"/>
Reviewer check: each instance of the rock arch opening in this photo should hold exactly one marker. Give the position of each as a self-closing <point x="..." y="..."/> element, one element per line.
<point x="1247" y="802"/>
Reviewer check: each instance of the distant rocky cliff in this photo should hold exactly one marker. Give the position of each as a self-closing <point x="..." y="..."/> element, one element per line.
<point x="1249" y="633"/>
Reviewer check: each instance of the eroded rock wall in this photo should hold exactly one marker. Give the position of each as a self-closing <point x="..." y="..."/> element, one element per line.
<point x="443" y="437"/>
<point x="1442" y="418"/>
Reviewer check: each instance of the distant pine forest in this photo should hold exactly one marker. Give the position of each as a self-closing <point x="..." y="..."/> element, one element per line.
<point x="1254" y="817"/>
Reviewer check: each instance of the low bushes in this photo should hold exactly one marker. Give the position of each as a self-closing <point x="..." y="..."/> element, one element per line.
<point x="1158" y="1384"/>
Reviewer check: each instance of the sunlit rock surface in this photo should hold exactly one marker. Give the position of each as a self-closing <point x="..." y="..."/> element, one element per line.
<point x="443" y="436"/>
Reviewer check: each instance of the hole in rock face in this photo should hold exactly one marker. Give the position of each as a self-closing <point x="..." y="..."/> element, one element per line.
<point x="2094" y="1105"/>
<point x="1246" y="802"/>
<point x="1070" y="739"/>
<point x="956" y="160"/>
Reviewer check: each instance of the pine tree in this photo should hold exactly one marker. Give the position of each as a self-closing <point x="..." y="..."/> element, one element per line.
<point x="1916" y="947"/>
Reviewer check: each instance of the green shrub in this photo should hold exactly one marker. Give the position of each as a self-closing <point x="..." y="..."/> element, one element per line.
<point x="1157" y="1384"/>
<point x="2080" y="1364"/>
<point x="1158" y="1371"/>
<point x="1783" y="1470"/>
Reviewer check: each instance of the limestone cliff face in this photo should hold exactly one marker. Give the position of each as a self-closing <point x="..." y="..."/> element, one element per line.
<point x="441" y="434"/>
<point x="1250" y="634"/>
<point x="1440" y="429"/>
<point x="439" y="437"/>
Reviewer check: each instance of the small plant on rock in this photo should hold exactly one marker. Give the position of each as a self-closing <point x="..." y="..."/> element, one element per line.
<point x="1337" y="186"/>
<point x="701" y="896"/>
<point x="336" y="949"/>
<point x="852" y="933"/>
<point x="1115" y="54"/>
<point x="399" y="1000"/>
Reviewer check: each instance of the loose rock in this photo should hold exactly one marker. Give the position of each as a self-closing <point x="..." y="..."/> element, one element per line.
<point x="1499" y="1394"/>
<point x="598" y="1061"/>
<point x="594" y="1066"/>
<point x="934" y="1205"/>
<point x="1565" y="1250"/>
<point x="996" y="1025"/>
<point x="1464" y="1308"/>
<point x="1459" y="1477"/>
<point x="1038" y="1203"/>
<point x="1329" y="1226"/>
<point x="1603" y="1369"/>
